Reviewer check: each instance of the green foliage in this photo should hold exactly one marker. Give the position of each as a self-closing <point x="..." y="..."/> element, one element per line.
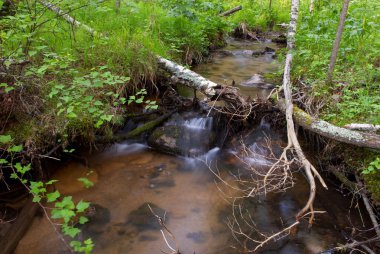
<point x="373" y="167"/>
<point x="65" y="209"/>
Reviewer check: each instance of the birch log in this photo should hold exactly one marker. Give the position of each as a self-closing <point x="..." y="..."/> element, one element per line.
<point x="325" y="129"/>
<point x="189" y="77"/>
<point x="362" y="127"/>
<point x="67" y="17"/>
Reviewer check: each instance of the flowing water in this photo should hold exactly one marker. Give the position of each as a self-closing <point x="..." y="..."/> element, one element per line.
<point x="183" y="190"/>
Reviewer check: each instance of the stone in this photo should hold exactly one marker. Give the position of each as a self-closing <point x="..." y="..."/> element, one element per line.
<point x="257" y="81"/>
<point x="181" y="140"/>
<point x="143" y="219"/>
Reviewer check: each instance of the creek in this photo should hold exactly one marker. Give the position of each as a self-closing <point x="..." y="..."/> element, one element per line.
<point x="130" y="175"/>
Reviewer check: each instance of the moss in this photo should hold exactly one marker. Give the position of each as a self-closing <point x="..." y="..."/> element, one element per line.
<point x="306" y="118"/>
<point x="372" y="182"/>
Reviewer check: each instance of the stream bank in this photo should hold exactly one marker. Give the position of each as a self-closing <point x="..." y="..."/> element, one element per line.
<point x="128" y="176"/>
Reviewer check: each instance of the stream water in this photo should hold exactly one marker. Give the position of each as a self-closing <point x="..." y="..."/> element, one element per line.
<point x="129" y="176"/>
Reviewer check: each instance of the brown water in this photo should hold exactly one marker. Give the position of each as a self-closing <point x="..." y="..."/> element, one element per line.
<point x="128" y="176"/>
<point x="236" y="63"/>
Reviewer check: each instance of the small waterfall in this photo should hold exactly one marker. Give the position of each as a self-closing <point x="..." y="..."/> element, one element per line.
<point x="204" y="123"/>
<point x="197" y="135"/>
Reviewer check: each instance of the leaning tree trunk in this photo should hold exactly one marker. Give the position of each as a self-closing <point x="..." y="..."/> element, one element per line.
<point x="338" y="38"/>
<point x="292" y="137"/>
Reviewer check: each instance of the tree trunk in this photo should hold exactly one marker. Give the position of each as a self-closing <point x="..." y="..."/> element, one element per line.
<point x="311" y="8"/>
<point x="117" y="6"/>
<point x="292" y="137"/>
<point x="338" y="38"/>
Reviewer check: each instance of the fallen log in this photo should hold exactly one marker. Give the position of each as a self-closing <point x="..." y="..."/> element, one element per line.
<point x="144" y="128"/>
<point x="11" y="239"/>
<point x="229" y="12"/>
<point x="67" y="17"/>
<point x="325" y="129"/>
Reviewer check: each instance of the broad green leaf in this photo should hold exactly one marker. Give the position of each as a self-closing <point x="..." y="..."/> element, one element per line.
<point x="5" y="139"/>
<point x="82" y="206"/>
<point x="82" y="220"/>
<point x="53" y="196"/>
<point x="15" y="149"/>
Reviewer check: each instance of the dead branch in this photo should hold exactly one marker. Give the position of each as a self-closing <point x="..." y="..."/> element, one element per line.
<point x="229" y="12"/>
<point x="353" y="245"/>
<point x="161" y="221"/>
<point x="368" y="206"/>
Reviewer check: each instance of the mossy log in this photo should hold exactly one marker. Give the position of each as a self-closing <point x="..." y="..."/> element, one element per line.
<point x="325" y="129"/>
<point x="144" y="128"/>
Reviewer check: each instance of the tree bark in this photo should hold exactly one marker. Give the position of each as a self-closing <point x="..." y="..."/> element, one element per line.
<point x="189" y="77"/>
<point x="362" y="127"/>
<point x="338" y="38"/>
<point x="325" y="129"/>
<point x="292" y="137"/>
<point x="311" y="7"/>
<point x="67" y="17"/>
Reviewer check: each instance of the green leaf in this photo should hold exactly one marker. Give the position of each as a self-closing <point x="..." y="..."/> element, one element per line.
<point x="36" y="199"/>
<point x="82" y="206"/>
<point x="8" y="89"/>
<point x="3" y="161"/>
<point x="86" y="182"/>
<point x="5" y="139"/>
<point x="82" y="220"/>
<point x="140" y="100"/>
<point x="67" y="202"/>
<point x="106" y="117"/>
<point x="98" y="103"/>
<point x="15" y="149"/>
<point x="53" y="196"/>
<point x="51" y="182"/>
<point x="70" y="231"/>
<point x="99" y="123"/>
